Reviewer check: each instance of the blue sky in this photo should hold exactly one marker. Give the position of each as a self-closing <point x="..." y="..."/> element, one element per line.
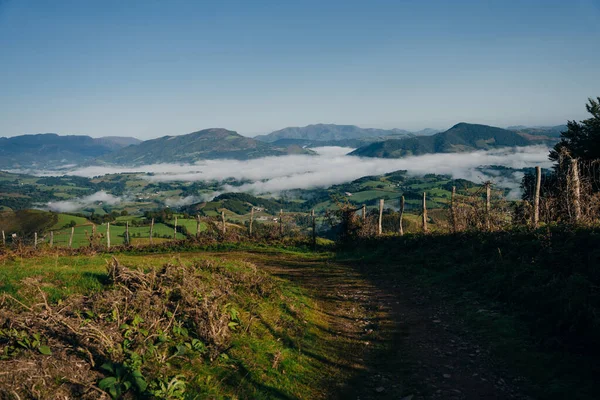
<point x="153" y="68"/>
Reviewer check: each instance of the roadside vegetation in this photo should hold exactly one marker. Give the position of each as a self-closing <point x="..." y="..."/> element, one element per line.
<point x="193" y="326"/>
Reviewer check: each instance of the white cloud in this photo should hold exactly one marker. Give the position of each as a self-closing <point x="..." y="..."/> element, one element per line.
<point x="78" y="204"/>
<point x="182" y="201"/>
<point x="331" y="166"/>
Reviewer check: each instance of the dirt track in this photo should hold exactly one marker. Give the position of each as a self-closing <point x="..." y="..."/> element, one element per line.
<point x="404" y="342"/>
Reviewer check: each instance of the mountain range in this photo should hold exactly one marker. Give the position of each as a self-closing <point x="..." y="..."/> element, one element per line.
<point x="539" y="131"/>
<point x="52" y="150"/>
<point x="206" y="144"/>
<point x="461" y="137"/>
<point x="333" y="133"/>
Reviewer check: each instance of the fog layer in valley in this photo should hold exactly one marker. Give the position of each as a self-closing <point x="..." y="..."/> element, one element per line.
<point x="83" y="202"/>
<point x="331" y="166"/>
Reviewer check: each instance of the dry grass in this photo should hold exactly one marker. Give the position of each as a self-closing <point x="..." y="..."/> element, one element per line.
<point x="146" y="323"/>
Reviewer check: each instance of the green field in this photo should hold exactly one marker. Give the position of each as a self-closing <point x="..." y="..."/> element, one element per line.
<point x="65" y="219"/>
<point x="373" y="195"/>
<point x="190" y="224"/>
<point x="137" y="234"/>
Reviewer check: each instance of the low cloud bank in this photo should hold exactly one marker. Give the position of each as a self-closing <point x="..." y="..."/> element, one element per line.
<point x="337" y="169"/>
<point x="182" y="201"/>
<point x="332" y="166"/>
<point x="83" y="202"/>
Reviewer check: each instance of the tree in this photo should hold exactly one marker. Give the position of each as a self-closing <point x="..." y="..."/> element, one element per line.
<point x="581" y="140"/>
<point x="579" y="146"/>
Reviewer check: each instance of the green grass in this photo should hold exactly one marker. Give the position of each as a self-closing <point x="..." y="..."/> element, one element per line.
<point x="287" y="326"/>
<point x="372" y="195"/>
<point x="117" y="234"/>
<point x="65" y="219"/>
<point x="189" y="224"/>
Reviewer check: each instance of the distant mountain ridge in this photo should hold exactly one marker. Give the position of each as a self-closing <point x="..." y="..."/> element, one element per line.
<point x="539" y="131"/>
<point x="332" y="132"/>
<point x="51" y="150"/>
<point x="213" y="143"/>
<point x="462" y="137"/>
<point x="354" y="143"/>
<point x="118" y="142"/>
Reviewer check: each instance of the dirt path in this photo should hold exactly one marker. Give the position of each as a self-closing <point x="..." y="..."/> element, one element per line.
<point x="402" y="343"/>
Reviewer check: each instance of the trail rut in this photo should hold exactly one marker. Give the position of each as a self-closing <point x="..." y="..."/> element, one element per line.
<point x="403" y="342"/>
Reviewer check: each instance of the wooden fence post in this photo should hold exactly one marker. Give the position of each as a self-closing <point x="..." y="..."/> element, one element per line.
<point x="251" y="221"/>
<point x="127" y="242"/>
<point x="198" y="226"/>
<point x="3" y="239"/>
<point x="364" y="213"/>
<point x="380" y="225"/>
<point x="400" y="228"/>
<point x="35" y="240"/>
<point x="51" y="238"/>
<point x="151" y="230"/>
<point x="223" y="221"/>
<point x="175" y="229"/>
<point x="71" y="237"/>
<point x="576" y="190"/>
<point x="93" y="236"/>
<point x="453" y="210"/>
<point x="314" y="229"/>
<point x="488" y="195"/>
<point x="424" y="206"/>
<point x="281" y="222"/>
<point x="108" y="235"/>
<point x="536" y="198"/>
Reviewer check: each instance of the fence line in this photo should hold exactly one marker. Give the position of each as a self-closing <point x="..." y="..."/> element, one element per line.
<point x="473" y="210"/>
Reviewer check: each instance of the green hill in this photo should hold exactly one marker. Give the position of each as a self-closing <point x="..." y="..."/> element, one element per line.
<point x="49" y="149"/>
<point x="329" y="132"/>
<point x="461" y="137"/>
<point x="541" y="132"/>
<point x="212" y="143"/>
<point x="25" y="222"/>
<point x="354" y="143"/>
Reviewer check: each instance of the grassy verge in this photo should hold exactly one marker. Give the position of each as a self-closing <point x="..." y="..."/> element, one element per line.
<point x="531" y="295"/>
<point x="185" y="326"/>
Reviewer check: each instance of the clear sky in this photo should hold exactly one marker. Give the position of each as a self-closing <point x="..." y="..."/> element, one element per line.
<point x="154" y="68"/>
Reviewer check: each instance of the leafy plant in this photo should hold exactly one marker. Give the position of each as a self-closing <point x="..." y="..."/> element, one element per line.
<point x="122" y="379"/>
<point x="21" y="340"/>
<point x="173" y="389"/>
<point x="234" y="317"/>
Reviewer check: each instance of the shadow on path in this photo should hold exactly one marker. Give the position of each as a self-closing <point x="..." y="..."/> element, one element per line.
<point x="396" y="342"/>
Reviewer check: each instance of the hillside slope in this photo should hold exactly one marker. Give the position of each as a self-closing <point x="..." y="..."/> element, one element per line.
<point x="354" y="143"/>
<point x="117" y="142"/>
<point x="50" y="149"/>
<point x="329" y="132"/>
<point x="212" y="143"/>
<point x="461" y="137"/>
<point x="549" y="132"/>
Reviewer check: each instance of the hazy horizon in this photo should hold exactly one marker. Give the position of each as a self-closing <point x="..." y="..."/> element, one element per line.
<point x="265" y="133"/>
<point x="150" y="69"/>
